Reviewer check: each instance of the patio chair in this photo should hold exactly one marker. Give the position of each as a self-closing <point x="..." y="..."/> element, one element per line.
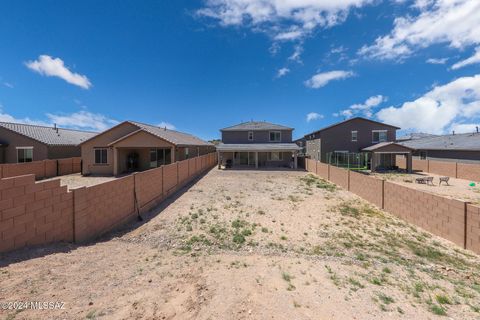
<point x="429" y="180"/>
<point x="420" y="180"/>
<point x="444" y="179"/>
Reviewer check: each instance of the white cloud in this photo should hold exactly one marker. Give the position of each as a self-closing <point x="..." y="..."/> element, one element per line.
<point x="297" y="53"/>
<point x="472" y="60"/>
<point x="5" y="117"/>
<point x="453" y="22"/>
<point x="364" y="109"/>
<point x="437" y="60"/>
<point x="167" y="125"/>
<point x="282" y="72"/>
<point x="439" y="109"/>
<point x="321" y="79"/>
<point x="82" y="120"/>
<point x="282" y="19"/>
<point x="314" y="116"/>
<point x="8" y="85"/>
<point x="54" y="67"/>
<point x="464" y="127"/>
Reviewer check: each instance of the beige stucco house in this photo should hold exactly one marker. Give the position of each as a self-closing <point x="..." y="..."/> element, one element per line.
<point x="133" y="146"/>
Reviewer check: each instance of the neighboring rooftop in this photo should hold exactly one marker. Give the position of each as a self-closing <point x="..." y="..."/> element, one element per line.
<point x="258" y="147"/>
<point x="464" y="141"/>
<point x="351" y="119"/>
<point x="49" y="135"/>
<point x="415" y="135"/>
<point x="176" y="137"/>
<point x="255" y="126"/>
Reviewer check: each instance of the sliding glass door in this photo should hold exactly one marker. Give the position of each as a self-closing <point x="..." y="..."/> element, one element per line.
<point x="160" y="156"/>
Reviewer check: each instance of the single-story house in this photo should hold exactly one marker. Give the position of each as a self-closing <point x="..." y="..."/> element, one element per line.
<point x="463" y="147"/>
<point x="133" y="146"/>
<point x="258" y="144"/>
<point x="26" y="143"/>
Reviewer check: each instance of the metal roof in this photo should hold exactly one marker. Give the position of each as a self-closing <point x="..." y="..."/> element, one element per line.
<point x="348" y="120"/>
<point x="255" y="126"/>
<point x="49" y="135"/>
<point x="258" y="147"/>
<point x="465" y="141"/>
<point x="175" y="137"/>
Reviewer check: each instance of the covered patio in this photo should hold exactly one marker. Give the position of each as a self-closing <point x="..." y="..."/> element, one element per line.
<point x="383" y="156"/>
<point x="258" y="155"/>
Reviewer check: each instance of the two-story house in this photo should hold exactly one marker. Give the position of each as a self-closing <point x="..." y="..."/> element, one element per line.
<point x="352" y="135"/>
<point x="258" y="144"/>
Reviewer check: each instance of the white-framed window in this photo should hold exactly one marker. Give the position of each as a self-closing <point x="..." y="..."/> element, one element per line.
<point x="160" y="157"/>
<point x="354" y="136"/>
<point x="187" y="153"/>
<point x="275" y="136"/>
<point x="24" y="154"/>
<point x="379" y="136"/>
<point x="101" y="156"/>
<point x="250" y="135"/>
<point x="275" y="156"/>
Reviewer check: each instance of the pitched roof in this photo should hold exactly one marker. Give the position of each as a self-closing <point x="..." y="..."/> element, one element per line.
<point x="258" y="147"/>
<point x="175" y="137"/>
<point x="49" y="135"/>
<point x="351" y="119"/>
<point x="414" y="135"/>
<point x="465" y="141"/>
<point x="381" y="145"/>
<point x="255" y="126"/>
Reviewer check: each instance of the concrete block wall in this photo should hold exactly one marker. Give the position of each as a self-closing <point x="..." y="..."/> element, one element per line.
<point x="42" y="169"/>
<point x="473" y="228"/>
<point x="442" y="168"/>
<point x="369" y="188"/>
<point x="100" y="208"/>
<point x="339" y="176"/>
<point x="421" y="165"/>
<point x="323" y="170"/>
<point x="454" y="220"/>
<point x="441" y="216"/>
<point x="33" y="213"/>
<point x="468" y="171"/>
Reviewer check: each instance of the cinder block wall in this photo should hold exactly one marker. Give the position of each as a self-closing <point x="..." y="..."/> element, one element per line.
<point x="473" y="228"/>
<point x="421" y="165"/>
<point x="369" y="188"/>
<point x="443" y="168"/>
<point x="439" y="215"/>
<point x="339" y="176"/>
<point x="34" y="213"/>
<point x="468" y="171"/>
<point x="323" y="170"/>
<point x="41" y="169"/>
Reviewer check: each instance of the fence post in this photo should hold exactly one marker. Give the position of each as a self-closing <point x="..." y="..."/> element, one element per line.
<point x="163" y="185"/>
<point x="178" y="178"/>
<point x="456" y="169"/>
<point x="316" y="167"/>
<point x="383" y="194"/>
<point x="428" y="165"/>
<point x="328" y="172"/>
<point x="465" y="230"/>
<point x="348" y="179"/>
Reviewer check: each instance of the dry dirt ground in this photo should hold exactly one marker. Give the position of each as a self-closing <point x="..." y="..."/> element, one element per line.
<point x="457" y="189"/>
<point x="252" y="245"/>
<point x="76" y="180"/>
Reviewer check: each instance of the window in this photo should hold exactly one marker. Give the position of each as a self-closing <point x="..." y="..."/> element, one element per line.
<point x="423" y="155"/>
<point x="354" y="136"/>
<point x="101" y="156"/>
<point x="275" y="156"/>
<point x="250" y="135"/>
<point x="187" y="154"/>
<point x="24" y="154"/>
<point x="379" y="135"/>
<point x="275" y="136"/>
<point x="159" y="157"/>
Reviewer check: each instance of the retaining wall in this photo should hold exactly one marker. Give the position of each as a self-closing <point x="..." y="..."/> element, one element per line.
<point x="42" y="169"/>
<point x="369" y="188"/>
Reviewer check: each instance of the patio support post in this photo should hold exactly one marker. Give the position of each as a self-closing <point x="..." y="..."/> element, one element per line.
<point x="115" y="161"/>
<point x="256" y="160"/>
<point x="295" y="160"/>
<point x="218" y="159"/>
<point x="409" y="162"/>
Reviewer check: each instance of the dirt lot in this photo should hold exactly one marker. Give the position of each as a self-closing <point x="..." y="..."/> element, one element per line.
<point x="457" y="189"/>
<point x="77" y="180"/>
<point x="252" y="245"/>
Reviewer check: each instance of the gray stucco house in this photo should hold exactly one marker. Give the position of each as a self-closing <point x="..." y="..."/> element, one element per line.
<point x="26" y="143"/>
<point x="258" y="144"/>
<point x="349" y="136"/>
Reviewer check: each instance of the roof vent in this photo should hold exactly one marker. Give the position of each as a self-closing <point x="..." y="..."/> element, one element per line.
<point x="476" y="128"/>
<point x="453" y="132"/>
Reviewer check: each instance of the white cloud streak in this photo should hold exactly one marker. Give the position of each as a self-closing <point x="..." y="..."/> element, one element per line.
<point x="55" y="67"/>
<point x="322" y="79"/>
<point x="440" y="109"/>
<point x="365" y="109"/>
<point x="282" y="72"/>
<point x="314" y="116"/>
<point x="167" y="125"/>
<point x="471" y="60"/>
<point x="452" y="22"/>
<point x="437" y="60"/>
<point x="283" y="20"/>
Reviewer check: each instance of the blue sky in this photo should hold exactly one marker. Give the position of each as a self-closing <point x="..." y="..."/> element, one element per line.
<point x="199" y="66"/>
